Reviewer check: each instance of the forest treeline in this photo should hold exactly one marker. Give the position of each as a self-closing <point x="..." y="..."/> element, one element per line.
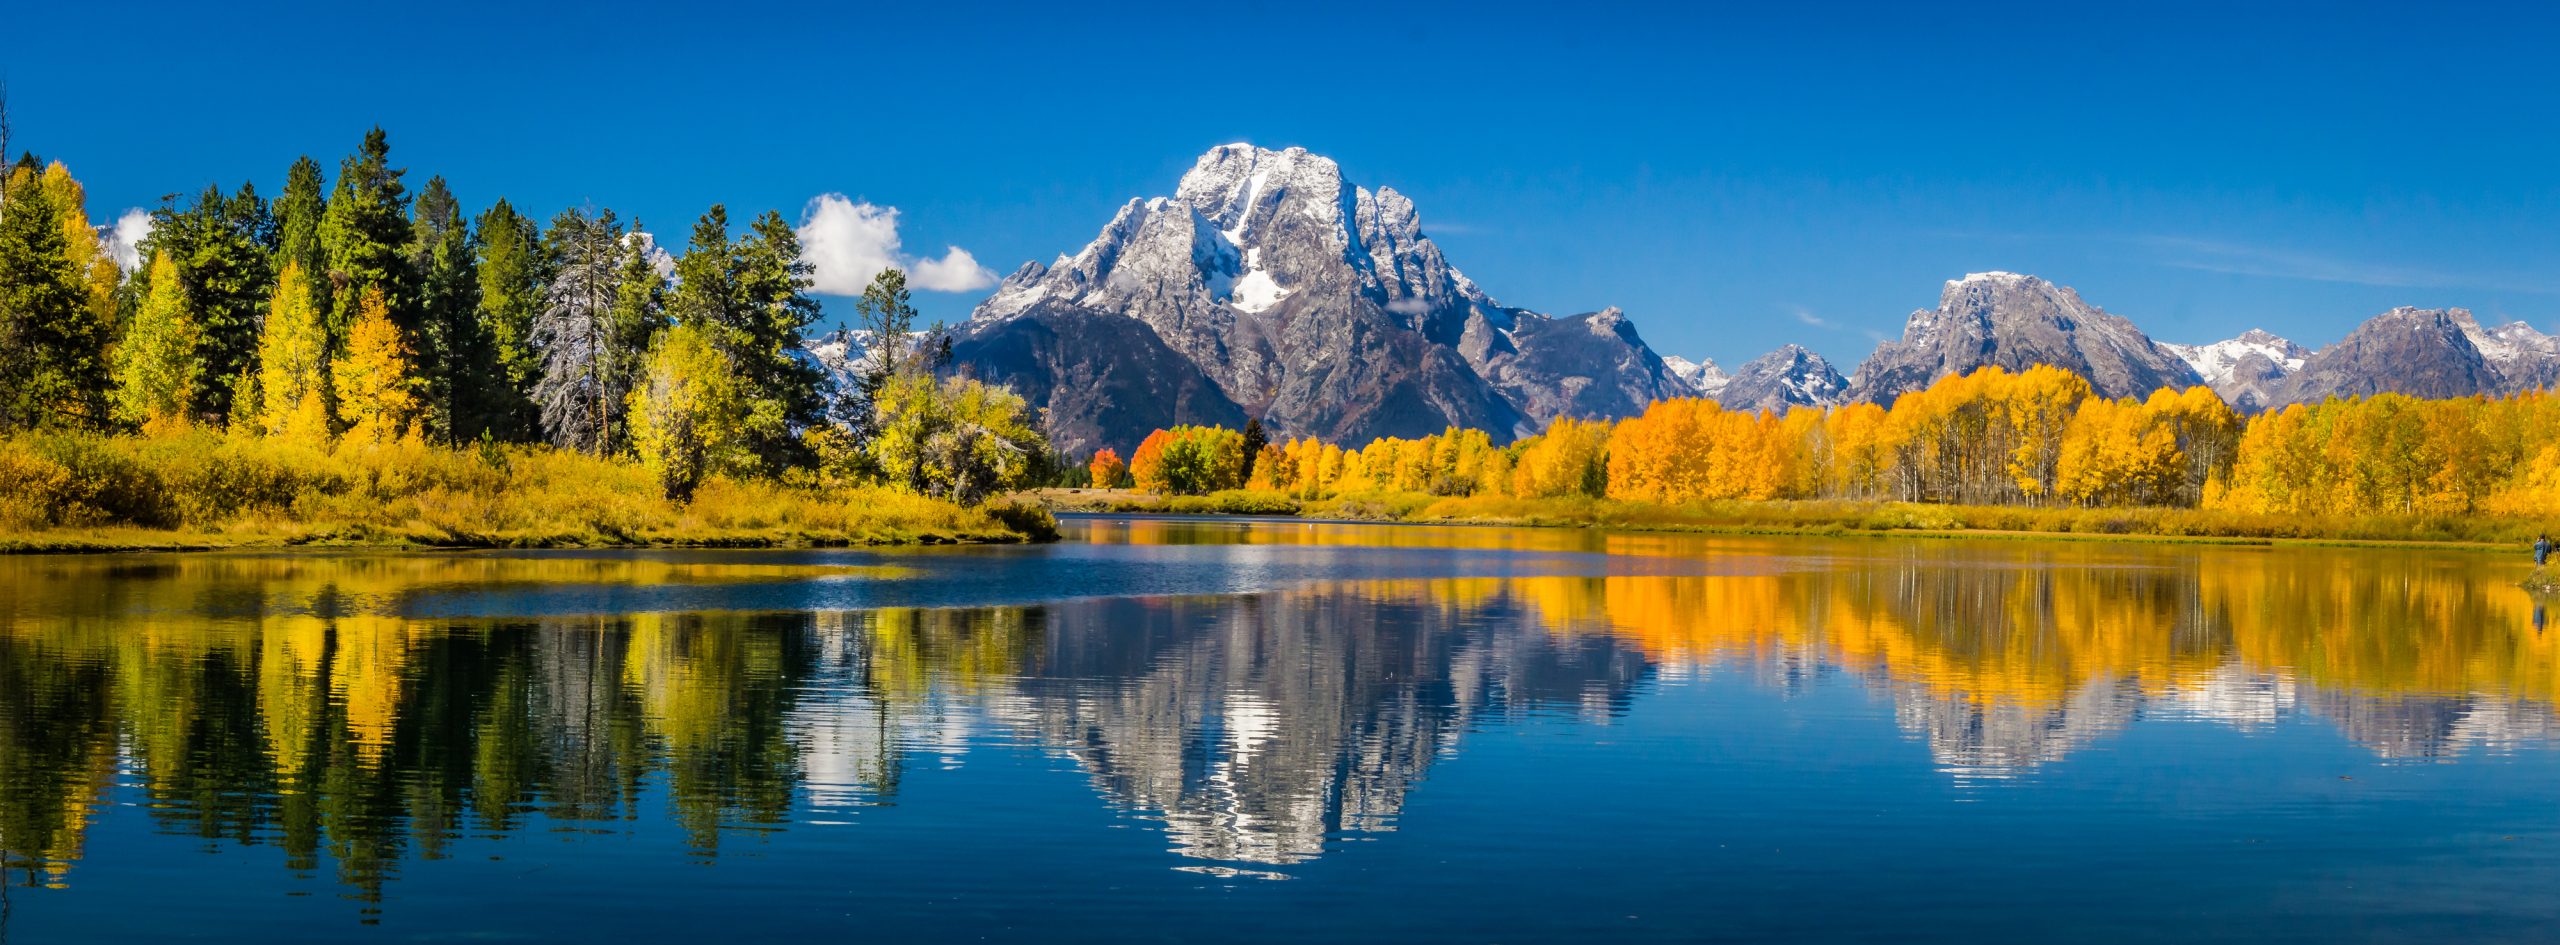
<point x="2038" y="437"/>
<point x="346" y="315"/>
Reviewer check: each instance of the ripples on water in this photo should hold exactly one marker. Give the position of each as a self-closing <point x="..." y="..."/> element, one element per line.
<point x="1430" y="733"/>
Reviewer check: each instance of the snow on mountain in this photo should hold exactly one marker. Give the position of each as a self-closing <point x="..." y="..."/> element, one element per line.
<point x="2245" y="370"/>
<point x="1322" y="308"/>
<point x="2214" y="361"/>
<point x="1703" y="377"/>
<point x="1788" y="377"/>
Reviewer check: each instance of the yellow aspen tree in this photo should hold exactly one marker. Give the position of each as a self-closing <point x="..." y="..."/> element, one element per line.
<point x="156" y="367"/>
<point x="377" y="390"/>
<point x="2037" y="405"/>
<point x="293" y="363"/>
<point x="89" y="257"/>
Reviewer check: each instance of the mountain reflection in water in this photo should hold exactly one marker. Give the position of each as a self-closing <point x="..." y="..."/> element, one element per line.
<point x="316" y="705"/>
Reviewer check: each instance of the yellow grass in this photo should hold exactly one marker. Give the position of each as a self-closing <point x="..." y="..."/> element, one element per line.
<point x="84" y="492"/>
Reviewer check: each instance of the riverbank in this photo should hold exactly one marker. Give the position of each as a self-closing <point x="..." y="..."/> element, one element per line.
<point x="71" y="493"/>
<point x="1829" y="517"/>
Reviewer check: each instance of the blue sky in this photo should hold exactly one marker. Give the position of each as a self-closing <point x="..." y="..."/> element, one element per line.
<point x="1734" y="177"/>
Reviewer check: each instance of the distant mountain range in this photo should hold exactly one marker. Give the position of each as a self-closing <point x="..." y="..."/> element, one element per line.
<point x="1269" y="286"/>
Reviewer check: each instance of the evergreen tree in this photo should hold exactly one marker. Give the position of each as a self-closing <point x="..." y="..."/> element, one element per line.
<point x="886" y="317"/>
<point x="364" y="235"/>
<point x="706" y="275"/>
<point x="639" y="314"/>
<point x="787" y="390"/>
<point x="511" y="271"/>
<point x="573" y="331"/>
<point x="222" y="249"/>
<point x="297" y="227"/>
<point x="293" y="362"/>
<point x="53" y="370"/>
<point x="451" y="355"/>
<point x="377" y="392"/>
<point x="157" y="368"/>
<point x="1255" y="438"/>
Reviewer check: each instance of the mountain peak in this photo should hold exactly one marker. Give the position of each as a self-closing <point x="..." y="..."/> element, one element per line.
<point x="1319" y="307"/>
<point x="1791" y="376"/>
<point x="2245" y="370"/>
<point x="2018" y="321"/>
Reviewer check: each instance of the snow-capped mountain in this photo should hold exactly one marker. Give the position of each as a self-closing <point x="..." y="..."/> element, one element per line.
<point x="2017" y="321"/>
<point x="2526" y="359"/>
<point x="1788" y="377"/>
<point x="1315" y="304"/>
<point x="2246" y="370"/>
<point x="1704" y="378"/>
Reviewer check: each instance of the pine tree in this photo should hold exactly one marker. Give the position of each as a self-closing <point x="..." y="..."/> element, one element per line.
<point x="157" y="368"/>
<point x="293" y="363"/>
<point x="706" y="276"/>
<point x="1255" y="438"/>
<point x="364" y="235"/>
<point x="511" y="272"/>
<point x="639" y="314"/>
<point x="221" y="248"/>
<point x="887" y="318"/>
<point x="774" y="283"/>
<point x="573" y="331"/>
<point x="297" y="221"/>
<point x="451" y="355"/>
<point x="377" y="391"/>
<point x="53" y="370"/>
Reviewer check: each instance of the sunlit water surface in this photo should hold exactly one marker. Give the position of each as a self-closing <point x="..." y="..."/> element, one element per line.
<point x="1167" y="730"/>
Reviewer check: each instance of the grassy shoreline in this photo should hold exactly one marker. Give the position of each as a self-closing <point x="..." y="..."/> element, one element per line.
<point x="1836" y="519"/>
<point x="81" y="493"/>
<point x="128" y="540"/>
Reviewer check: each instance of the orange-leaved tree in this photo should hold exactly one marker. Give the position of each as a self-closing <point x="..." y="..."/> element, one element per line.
<point x="1107" y="468"/>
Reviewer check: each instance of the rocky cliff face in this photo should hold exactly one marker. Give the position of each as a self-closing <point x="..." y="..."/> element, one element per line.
<point x="1314" y="304"/>
<point x="2248" y="370"/>
<point x="2017" y="322"/>
<point x="1788" y="377"/>
<point x="2419" y="352"/>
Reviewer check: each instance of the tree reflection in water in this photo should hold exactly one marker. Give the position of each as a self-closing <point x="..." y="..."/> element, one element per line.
<point x="284" y="701"/>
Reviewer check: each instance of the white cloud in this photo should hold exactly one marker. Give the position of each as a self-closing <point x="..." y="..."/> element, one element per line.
<point x="124" y="240"/>
<point x="1807" y="316"/>
<point x="956" y="271"/>
<point x="848" y="242"/>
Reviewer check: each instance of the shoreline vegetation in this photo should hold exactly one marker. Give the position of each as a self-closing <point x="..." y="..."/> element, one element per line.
<point x="351" y="365"/>
<point x="1811" y="518"/>
<point x="199" y="490"/>
<point x="1991" y="452"/>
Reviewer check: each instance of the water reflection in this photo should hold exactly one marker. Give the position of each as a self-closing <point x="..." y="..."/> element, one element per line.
<point x="295" y="702"/>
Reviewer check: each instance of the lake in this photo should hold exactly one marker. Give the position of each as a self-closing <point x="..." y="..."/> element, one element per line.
<point x="1279" y="731"/>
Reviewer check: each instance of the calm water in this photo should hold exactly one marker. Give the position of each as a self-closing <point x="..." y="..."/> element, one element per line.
<point x="1217" y="731"/>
